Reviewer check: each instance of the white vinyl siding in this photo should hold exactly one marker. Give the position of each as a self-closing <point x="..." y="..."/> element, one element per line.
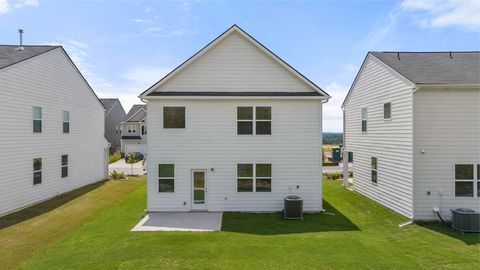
<point x="210" y="141"/>
<point x="389" y="141"/>
<point x="447" y="132"/>
<point x="50" y="82"/>
<point x="235" y="65"/>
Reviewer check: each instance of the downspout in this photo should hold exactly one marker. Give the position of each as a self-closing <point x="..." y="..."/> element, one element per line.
<point x="345" y="153"/>
<point x="321" y="149"/>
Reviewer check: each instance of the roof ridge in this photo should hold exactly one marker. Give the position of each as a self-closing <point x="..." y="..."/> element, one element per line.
<point x="424" y="51"/>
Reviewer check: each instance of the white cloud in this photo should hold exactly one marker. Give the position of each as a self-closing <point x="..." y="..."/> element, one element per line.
<point x="145" y="76"/>
<point x="9" y="5"/>
<point x="380" y="30"/>
<point x="332" y="111"/>
<point x="463" y="14"/>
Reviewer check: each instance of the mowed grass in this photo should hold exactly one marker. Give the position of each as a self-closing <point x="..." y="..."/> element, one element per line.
<point x="355" y="233"/>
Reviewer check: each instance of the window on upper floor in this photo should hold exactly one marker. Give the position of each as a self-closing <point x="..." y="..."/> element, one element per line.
<point x="37" y="171"/>
<point x="131" y="129"/>
<point x="250" y="117"/>
<point x="374" y="170"/>
<point x="464" y="180"/>
<point x="66" y="122"/>
<point x="387" y="111"/>
<point x="173" y="117"/>
<point x="37" y="119"/>
<point x="364" y="119"/>
<point x="144" y="130"/>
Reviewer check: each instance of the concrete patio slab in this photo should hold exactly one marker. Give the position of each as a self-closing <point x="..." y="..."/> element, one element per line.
<point x="180" y="221"/>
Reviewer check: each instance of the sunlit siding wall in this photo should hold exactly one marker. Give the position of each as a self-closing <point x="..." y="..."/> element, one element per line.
<point x="447" y="129"/>
<point x="390" y="141"/>
<point x="49" y="81"/>
<point x="210" y="141"/>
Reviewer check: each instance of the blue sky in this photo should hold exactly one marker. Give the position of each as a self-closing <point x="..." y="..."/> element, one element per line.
<point x="122" y="47"/>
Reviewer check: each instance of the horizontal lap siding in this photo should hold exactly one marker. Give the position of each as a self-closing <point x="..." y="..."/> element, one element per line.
<point x="210" y="141"/>
<point x="388" y="140"/>
<point x="237" y="65"/>
<point x="447" y="128"/>
<point x="51" y="82"/>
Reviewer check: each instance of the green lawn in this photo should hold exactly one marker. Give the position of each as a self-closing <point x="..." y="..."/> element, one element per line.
<point x="355" y="234"/>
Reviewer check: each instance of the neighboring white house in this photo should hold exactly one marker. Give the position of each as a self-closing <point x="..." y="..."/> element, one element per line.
<point x="234" y="128"/>
<point x="412" y="121"/>
<point x="52" y="139"/>
<point x="134" y="130"/>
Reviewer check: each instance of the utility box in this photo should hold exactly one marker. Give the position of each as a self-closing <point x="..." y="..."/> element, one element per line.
<point x="336" y="154"/>
<point x="293" y="207"/>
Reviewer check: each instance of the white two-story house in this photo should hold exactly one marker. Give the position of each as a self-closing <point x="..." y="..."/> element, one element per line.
<point x="134" y="130"/>
<point x="412" y="122"/>
<point x="52" y="139"/>
<point x="234" y="128"/>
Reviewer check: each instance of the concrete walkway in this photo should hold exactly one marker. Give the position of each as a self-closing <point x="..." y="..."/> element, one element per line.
<point x="180" y="221"/>
<point x="122" y="166"/>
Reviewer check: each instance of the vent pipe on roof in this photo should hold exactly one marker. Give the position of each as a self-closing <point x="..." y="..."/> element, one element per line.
<point x="20" y="48"/>
<point x="451" y="57"/>
<point x="398" y="56"/>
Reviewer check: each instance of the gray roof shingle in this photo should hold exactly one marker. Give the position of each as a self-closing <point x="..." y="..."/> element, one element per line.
<point x="9" y="56"/>
<point x="108" y="102"/>
<point x="134" y="109"/>
<point x="435" y="67"/>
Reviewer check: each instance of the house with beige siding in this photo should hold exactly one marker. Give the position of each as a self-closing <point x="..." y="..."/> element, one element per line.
<point x="134" y="130"/>
<point x="53" y="137"/>
<point x="412" y="122"/>
<point x="234" y="128"/>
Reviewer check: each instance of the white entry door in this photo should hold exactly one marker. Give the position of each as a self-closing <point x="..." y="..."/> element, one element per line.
<point x="199" y="190"/>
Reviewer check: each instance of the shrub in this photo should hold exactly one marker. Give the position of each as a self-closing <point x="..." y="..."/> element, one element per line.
<point x="115" y="156"/>
<point x="336" y="175"/>
<point x="117" y="175"/>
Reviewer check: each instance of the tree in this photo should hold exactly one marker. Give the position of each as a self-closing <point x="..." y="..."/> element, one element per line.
<point x="132" y="160"/>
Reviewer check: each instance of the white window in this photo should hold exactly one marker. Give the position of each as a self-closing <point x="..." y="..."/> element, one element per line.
<point x="387" y="111"/>
<point x="374" y="170"/>
<point x="132" y="129"/>
<point x="250" y="117"/>
<point x="64" y="166"/>
<point x="166" y="177"/>
<point x="465" y="185"/>
<point x="66" y="122"/>
<point x="254" y="177"/>
<point x="37" y="119"/>
<point x="173" y="117"/>
<point x="37" y="171"/>
<point x="364" y="119"/>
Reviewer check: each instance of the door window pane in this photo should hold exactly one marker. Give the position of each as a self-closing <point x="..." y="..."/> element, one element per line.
<point x="198" y="187"/>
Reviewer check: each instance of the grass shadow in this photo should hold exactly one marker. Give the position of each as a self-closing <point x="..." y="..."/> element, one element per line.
<point x="275" y="224"/>
<point x="467" y="238"/>
<point x="46" y="206"/>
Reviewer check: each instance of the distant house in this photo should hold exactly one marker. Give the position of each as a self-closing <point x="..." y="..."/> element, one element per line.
<point x="114" y="115"/>
<point x="52" y="139"/>
<point x="134" y="130"/>
<point x="412" y="122"/>
<point x="234" y="128"/>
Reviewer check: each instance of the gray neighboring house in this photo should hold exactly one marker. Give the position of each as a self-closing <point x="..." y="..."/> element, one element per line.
<point x="412" y="122"/>
<point x="134" y="130"/>
<point x="114" y="115"/>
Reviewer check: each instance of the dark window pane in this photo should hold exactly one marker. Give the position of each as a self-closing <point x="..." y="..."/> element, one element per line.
<point x="263" y="128"/>
<point x="263" y="185"/>
<point x="263" y="170"/>
<point x="374" y="163"/>
<point x="37" y="178"/>
<point x="37" y="126"/>
<point x="65" y="171"/>
<point x="263" y="113"/>
<point x="244" y="113"/>
<point x="463" y="189"/>
<point x="66" y="127"/>
<point x="173" y="117"/>
<point x="166" y="185"/>
<point x="166" y="170"/>
<point x="464" y="171"/>
<point x="364" y="125"/>
<point x="245" y="170"/>
<point x="374" y="176"/>
<point x="64" y="160"/>
<point x="244" y="128"/>
<point x="478" y="172"/>
<point x="37" y="164"/>
<point x="245" y="185"/>
<point x="478" y="189"/>
<point x="387" y="110"/>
